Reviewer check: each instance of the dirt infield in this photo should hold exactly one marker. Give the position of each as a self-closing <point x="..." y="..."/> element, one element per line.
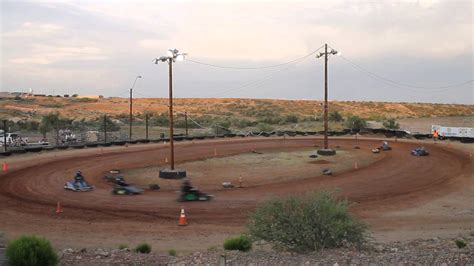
<point x="30" y="191"/>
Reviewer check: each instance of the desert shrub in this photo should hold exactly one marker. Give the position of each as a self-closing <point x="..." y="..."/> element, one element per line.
<point x="460" y="243"/>
<point x="292" y="118"/>
<point x="356" y="123"/>
<point x="241" y="243"/>
<point x="335" y="116"/>
<point x="307" y="223"/>
<point x="143" y="248"/>
<point x="391" y="124"/>
<point x="31" y="251"/>
<point x="83" y="100"/>
<point x="264" y="127"/>
<point x="172" y="252"/>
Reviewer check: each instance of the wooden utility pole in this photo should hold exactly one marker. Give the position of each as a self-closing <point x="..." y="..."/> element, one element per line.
<point x="170" y="63"/>
<point x="131" y="116"/>
<point x="326" y="96"/>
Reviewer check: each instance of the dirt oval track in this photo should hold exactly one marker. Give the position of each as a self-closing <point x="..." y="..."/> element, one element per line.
<point x="397" y="180"/>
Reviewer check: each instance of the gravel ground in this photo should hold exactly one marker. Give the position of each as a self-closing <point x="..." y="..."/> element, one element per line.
<point x="434" y="251"/>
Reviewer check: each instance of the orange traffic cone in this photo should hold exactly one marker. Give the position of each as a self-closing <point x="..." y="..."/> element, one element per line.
<point x="58" y="208"/>
<point x="356" y="166"/>
<point x="182" y="218"/>
<point x="5" y="166"/>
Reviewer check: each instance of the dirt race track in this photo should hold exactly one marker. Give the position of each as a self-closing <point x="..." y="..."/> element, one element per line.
<point x="30" y="190"/>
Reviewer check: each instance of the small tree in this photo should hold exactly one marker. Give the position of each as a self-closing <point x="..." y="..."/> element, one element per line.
<point x="356" y="123"/>
<point x="49" y="122"/>
<point x="307" y="223"/>
<point x="335" y="116"/>
<point x="31" y="251"/>
<point x="391" y="124"/>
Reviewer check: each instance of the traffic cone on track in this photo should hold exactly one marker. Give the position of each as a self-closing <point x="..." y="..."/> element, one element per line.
<point x="58" y="208"/>
<point x="182" y="218"/>
<point x="5" y="166"/>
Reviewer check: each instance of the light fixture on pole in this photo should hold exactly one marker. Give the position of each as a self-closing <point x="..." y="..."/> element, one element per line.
<point x="131" y="102"/>
<point x="172" y="56"/>
<point x="326" y="150"/>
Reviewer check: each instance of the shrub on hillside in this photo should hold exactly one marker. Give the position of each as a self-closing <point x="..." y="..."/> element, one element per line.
<point x="307" y="223"/>
<point x="31" y="251"/>
<point x="356" y="123"/>
<point x="143" y="248"/>
<point x="391" y="124"/>
<point x="241" y="243"/>
<point x="335" y="116"/>
<point x="460" y="243"/>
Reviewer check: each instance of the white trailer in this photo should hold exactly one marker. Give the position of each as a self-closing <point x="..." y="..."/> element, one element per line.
<point x="453" y="132"/>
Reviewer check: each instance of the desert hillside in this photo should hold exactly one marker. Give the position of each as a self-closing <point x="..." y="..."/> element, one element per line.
<point x="87" y="108"/>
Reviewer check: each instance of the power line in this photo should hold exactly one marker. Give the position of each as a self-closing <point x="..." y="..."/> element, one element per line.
<point x="262" y="80"/>
<point x="254" y="68"/>
<point x="400" y="84"/>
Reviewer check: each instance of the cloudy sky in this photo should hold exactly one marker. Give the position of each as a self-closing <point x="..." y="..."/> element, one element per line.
<point x="391" y="50"/>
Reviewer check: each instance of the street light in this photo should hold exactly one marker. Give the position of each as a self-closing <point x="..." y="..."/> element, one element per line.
<point x="172" y="55"/>
<point x="326" y="150"/>
<point x="131" y="100"/>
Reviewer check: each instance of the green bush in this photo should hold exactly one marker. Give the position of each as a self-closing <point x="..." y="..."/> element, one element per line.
<point x="307" y="223"/>
<point x="356" y="123"/>
<point x="241" y="243"/>
<point x="143" y="248"/>
<point x="264" y="127"/>
<point x="391" y="124"/>
<point x="335" y="116"/>
<point x="460" y="243"/>
<point x="31" y="251"/>
<point x="172" y="252"/>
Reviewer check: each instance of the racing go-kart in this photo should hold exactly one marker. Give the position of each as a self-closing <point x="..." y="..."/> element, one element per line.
<point x="420" y="151"/>
<point x="79" y="184"/>
<point x="123" y="188"/>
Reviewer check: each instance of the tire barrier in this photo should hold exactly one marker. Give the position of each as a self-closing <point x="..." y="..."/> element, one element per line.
<point x="5" y="153"/>
<point x="118" y="143"/>
<point x="388" y="133"/>
<point x="34" y="149"/>
<point x="92" y="145"/>
<point x="77" y="146"/>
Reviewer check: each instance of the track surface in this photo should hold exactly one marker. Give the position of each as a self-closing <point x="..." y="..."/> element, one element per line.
<point x="397" y="181"/>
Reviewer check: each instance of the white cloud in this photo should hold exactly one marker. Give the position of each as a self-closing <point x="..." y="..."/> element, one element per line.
<point x="45" y="54"/>
<point x="33" y="30"/>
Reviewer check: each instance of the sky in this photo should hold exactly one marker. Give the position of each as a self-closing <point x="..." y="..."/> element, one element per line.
<point x="396" y="51"/>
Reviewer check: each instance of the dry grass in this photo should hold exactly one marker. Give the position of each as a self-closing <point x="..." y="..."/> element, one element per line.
<point x="33" y="108"/>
